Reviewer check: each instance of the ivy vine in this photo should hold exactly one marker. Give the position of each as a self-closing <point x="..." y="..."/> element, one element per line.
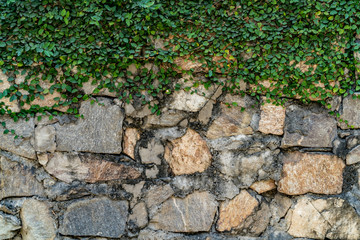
<point x="282" y="49"/>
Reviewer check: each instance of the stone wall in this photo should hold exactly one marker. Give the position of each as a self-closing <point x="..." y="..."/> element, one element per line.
<point x="200" y="170"/>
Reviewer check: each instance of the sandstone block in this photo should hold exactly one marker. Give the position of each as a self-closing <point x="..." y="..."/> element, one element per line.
<point x="306" y="172"/>
<point x="188" y="154"/>
<point x="234" y="212"/>
<point x="272" y="119"/>
<point x="131" y="136"/>
<point x="263" y="186"/>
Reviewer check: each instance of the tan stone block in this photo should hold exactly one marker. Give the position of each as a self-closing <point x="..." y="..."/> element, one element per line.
<point x="234" y="212"/>
<point x="307" y="172"/>
<point x="131" y="136"/>
<point x="263" y="186"/>
<point x="272" y="119"/>
<point x="188" y="154"/>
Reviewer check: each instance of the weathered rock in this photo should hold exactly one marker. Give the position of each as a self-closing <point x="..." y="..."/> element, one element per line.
<point x="188" y="101"/>
<point x="279" y="207"/>
<point x="246" y="168"/>
<point x="188" y="154"/>
<point x="195" y="213"/>
<point x="233" y="120"/>
<point x="234" y="212"/>
<point x="306" y="172"/>
<point x="148" y="234"/>
<point x="9" y="225"/>
<point x="331" y="218"/>
<point x="263" y="186"/>
<point x="87" y="167"/>
<point x="139" y="215"/>
<point x="226" y="190"/>
<point x="45" y="139"/>
<point x="100" y="131"/>
<point x="308" y="128"/>
<point x="343" y="219"/>
<point x="168" y="118"/>
<point x="353" y="156"/>
<point x="131" y="136"/>
<point x="18" y="179"/>
<point x="21" y="146"/>
<point x="206" y="112"/>
<point x="152" y="172"/>
<point x="96" y="217"/>
<point x="153" y="152"/>
<point x="157" y="195"/>
<point x="255" y="224"/>
<point x="349" y="112"/>
<point x="272" y="119"/>
<point x="38" y="223"/>
<point x="306" y="221"/>
<point x="135" y="190"/>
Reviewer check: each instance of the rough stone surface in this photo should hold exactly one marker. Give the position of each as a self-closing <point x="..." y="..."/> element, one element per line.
<point x="131" y="136"/>
<point x="350" y="108"/>
<point x="38" y="223"/>
<point x="331" y="218"/>
<point x="188" y="101"/>
<point x="308" y="128"/>
<point x="45" y="139"/>
<point x="48" y="101"/>
<point x="18" y="179"/>
<point x="306" y="172"/>
<point x="100" y="131"/>
<point x="234" y="212"/>
<point x="232" y="120"/>
<point x="272" y="119"/>
<point x="353" y="156"/>
<point x="167" y="118"/>
<point x="139" y="215"/>
<point x="157" y="195"/>
<point x="96" y="217"/>
<point x="9" y="225"/>
<point x="206" y="112"/>
<point x="87" y="167"/>
<point x="21" y="146"/>
<point x="306" y="221"/>
<point x="188" y="154"/>
<point x="195" y="213"/>
<point x="279" y="207"/>
<point x="153" y="152"/>
<point x="135" y="190"/>
<point x="263" y="186"/>
<point x="246" y="168"/>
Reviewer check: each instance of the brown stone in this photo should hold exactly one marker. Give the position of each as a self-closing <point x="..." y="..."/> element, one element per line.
<point x="139" y="215"/>
<point x="167" y="118"/>
<point x="195" y="213"/>
<point x="188" y="154"/>
<point x="272" y="119"/>
<point x="87" y="167"/>
<point x="157" y="195"/>
<point x="234" y="120"/>
<point x="206" y="111"/>
<point x="48" y="101"/>
<point x="131" y="136"/>
<point x="18" y="179"/>
<point x="234" y="212"/>
<point x="307" y="172"/>
<point x="184" y="63"/>
<point x="263" y="186"/>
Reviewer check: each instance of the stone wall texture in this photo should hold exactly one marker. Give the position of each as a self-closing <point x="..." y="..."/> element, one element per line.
<point x="199" y="170"/>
